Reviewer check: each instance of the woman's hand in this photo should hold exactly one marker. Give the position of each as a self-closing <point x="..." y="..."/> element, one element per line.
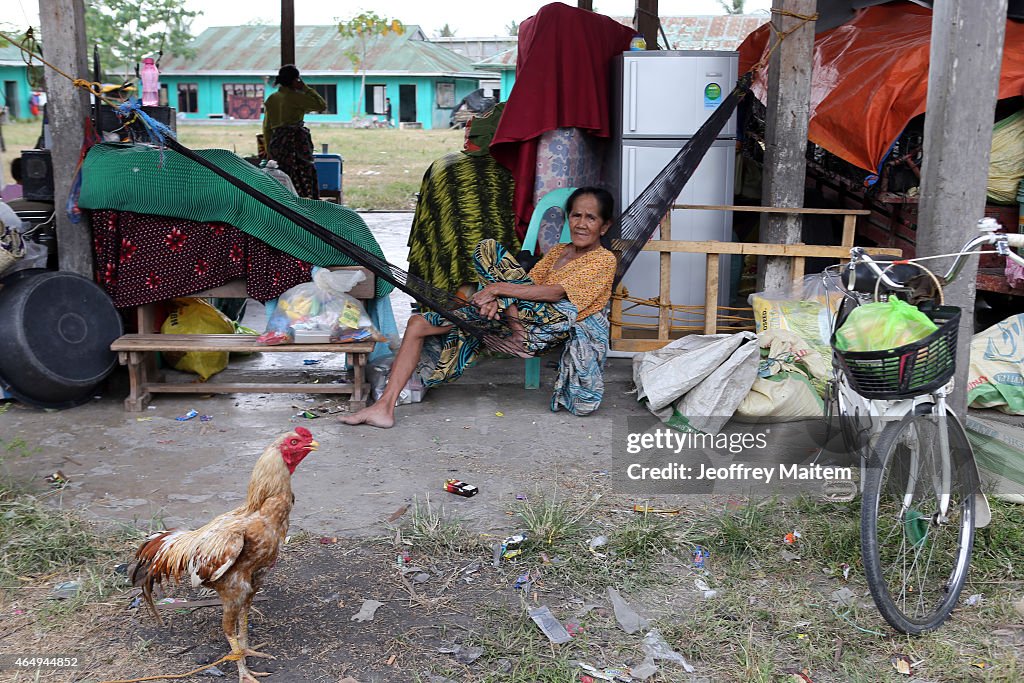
<point x="490" y="310"/>
<point x="486" y="295"/>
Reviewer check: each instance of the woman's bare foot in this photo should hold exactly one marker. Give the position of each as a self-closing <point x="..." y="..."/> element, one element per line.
<point x="376" y="415"/>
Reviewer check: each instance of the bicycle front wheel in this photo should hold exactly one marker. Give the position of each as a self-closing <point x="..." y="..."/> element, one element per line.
<point x="917" y="519"/>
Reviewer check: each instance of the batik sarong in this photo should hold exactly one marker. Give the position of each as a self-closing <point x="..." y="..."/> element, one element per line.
<point x="292" y="148"/>
<point x="579" y="386"/>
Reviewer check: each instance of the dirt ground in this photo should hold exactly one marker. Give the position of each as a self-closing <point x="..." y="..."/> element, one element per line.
<point x="766" y="615"/>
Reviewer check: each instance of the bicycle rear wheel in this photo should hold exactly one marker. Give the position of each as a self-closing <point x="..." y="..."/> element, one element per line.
<point x="917" y="520"/>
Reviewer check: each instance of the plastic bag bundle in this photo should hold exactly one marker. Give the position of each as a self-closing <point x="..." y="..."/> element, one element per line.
<point x="1006" y="164"/>
<point x="807" y="313"/>
<point x="322" y="306"/>
<point x="883" y="325"/>
<point x="195" y="316"/>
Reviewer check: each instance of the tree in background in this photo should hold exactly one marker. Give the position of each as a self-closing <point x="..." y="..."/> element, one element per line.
<point x="732" y="6"/>
<point x="446" y="32"/>
<point x="366" y="28"/>
<point x="128" y="30"/>
<point x="513" y="28"/>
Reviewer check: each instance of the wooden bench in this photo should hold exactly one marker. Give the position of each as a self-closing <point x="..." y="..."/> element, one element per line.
<point x="138" y="352"/>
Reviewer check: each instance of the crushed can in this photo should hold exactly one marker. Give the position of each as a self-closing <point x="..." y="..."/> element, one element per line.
<point x="700" y="557"/>
<point x="460" y="488"/>
<point x="513" y="546"/>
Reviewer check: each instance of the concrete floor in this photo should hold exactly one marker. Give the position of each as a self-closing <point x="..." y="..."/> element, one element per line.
<point x="136" y="467"/>
<point x="485" y="429"/>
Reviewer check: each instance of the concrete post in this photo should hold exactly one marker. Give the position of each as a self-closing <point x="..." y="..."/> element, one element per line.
<point x="963" y="82"/>
<point x="63" y="37"/>
<point x="789" y="92"/>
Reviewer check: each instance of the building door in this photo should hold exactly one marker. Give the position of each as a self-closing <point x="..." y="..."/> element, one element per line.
<point x="406" y="103"/>
<point x="11" y="99"/>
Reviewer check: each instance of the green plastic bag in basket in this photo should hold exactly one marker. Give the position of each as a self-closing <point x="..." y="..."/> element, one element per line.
<point x="883" y="325"/>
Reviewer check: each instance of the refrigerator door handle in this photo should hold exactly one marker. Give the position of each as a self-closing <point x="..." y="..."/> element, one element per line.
<point x="632" y="88"/>
<point x="631" y="173"/>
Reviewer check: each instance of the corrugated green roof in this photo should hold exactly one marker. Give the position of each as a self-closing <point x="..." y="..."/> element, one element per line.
<point x="319" y="50"/>
<point x="10" y="55"/>
<point x="719" y="32"/>
<point x="503" y="61"/>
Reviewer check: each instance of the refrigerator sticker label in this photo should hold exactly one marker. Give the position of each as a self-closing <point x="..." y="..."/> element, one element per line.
<point x="712" y="96"/>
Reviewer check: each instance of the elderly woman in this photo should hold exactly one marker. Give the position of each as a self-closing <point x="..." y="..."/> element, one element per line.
<point x="562" y="299"/>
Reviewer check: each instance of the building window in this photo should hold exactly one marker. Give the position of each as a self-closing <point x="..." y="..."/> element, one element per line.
<point x="330" y="94"/>
<point x="375" y="95"/>
<point x="243" y="100"/>
<point x="445" y="95"/>
<point x="188" y="98"/>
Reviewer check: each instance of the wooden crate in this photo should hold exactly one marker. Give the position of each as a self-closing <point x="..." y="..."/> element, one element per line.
<point x="648" y="324"/>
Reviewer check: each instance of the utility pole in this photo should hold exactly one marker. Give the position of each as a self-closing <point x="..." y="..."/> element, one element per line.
<point x="963" y="83"/>
<point x="67" y="107"/>
<point x="647" y="22"/>
<point x="287" y="32"/>
<point x="785" y="166"/>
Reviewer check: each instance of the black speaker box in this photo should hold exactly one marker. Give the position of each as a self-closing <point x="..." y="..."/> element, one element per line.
<point x="109" y="123"/>
<point x="37" y="175"/>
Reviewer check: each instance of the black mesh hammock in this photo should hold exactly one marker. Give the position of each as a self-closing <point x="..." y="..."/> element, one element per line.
<point x="636" y="225"/>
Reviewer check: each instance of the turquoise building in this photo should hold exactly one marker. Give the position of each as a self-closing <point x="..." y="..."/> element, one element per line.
<point x="234" y="68"/>
<point x="15" y="88"/>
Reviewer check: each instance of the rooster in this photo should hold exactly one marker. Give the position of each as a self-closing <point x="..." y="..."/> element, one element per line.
<point x="233" y="551"/>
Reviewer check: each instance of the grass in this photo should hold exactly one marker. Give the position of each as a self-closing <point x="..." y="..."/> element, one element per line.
<point x="40" y="544"/>
<point x="382" y="167"/>
<point x="432" y="529"/>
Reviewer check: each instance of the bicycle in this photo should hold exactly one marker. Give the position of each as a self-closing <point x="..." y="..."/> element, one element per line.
<point x="920" y="486"/>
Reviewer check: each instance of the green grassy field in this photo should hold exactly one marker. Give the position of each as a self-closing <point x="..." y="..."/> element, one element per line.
<point x="382" y="168"/>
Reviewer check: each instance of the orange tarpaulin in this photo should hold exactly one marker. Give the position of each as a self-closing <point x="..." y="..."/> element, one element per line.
<point x="870" y="78"/>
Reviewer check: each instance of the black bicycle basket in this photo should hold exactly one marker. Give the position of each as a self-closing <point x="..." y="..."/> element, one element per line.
<point x="909" y="370"/>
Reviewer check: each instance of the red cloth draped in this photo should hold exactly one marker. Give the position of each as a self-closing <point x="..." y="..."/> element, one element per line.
<point x="563" y="74"/>
<point x="142" y="258"/>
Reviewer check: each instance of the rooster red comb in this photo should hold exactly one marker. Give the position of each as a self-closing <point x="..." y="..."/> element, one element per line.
<point x="304" y="433"/>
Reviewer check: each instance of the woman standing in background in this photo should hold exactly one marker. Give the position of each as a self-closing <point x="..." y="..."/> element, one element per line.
<point x="288" y="140"/>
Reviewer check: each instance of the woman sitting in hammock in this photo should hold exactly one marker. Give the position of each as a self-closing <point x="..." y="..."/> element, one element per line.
<point x="562" y="299"/>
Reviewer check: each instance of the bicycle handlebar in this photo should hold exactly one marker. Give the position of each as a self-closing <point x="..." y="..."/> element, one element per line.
<point x="1003" y="242"/>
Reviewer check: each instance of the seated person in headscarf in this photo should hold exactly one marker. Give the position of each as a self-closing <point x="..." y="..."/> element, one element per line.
<point x="561" y="300"/>
<point x="465" y="197"/>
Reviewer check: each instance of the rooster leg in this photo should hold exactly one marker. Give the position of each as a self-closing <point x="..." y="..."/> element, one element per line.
<point x="243" y="634"/>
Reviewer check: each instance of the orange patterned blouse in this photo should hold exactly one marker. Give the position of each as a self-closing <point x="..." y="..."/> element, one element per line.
<point x="587" y="280"/>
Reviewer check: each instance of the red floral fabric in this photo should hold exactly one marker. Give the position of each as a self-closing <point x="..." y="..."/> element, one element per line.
<point x="142" y="258"/>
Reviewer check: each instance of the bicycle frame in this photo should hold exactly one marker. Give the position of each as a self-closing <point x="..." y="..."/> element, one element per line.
<point x="877" y="411"/>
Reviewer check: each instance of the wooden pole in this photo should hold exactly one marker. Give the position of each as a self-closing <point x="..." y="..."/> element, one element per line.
<point x="963" y="82"/>
<point x="287" y="31"/>
<point x="586" y="4"/>
<point x="789" y="92"/>
<point x="63" y="34"/>
<point x="647" y="22"/>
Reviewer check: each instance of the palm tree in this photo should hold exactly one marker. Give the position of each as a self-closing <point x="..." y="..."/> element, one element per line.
<point x="732" y="6"/>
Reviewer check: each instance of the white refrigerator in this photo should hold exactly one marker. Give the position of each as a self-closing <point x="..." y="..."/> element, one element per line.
<point x="660" y="99"/>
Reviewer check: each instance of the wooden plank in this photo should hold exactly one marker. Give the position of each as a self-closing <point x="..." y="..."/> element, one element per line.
<point x="665" y="281"/>
<point x="775" y="209"/>
<point x="190" y="604"/>
<point x="757" y="248"/>
<point x="711" y="296"/>
<point x="225" y="342"/>
<point x="849" y="227"/>
<point x="798" y="273"/>
<point x="249" y="388"/>
<point x="638" y="345"/>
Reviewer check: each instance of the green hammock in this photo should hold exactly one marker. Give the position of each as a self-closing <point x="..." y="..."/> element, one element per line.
<point x="143" y="179"/>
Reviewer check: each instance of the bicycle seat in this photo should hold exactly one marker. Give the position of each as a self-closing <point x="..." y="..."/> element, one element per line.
<point x="862" y="279"/>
